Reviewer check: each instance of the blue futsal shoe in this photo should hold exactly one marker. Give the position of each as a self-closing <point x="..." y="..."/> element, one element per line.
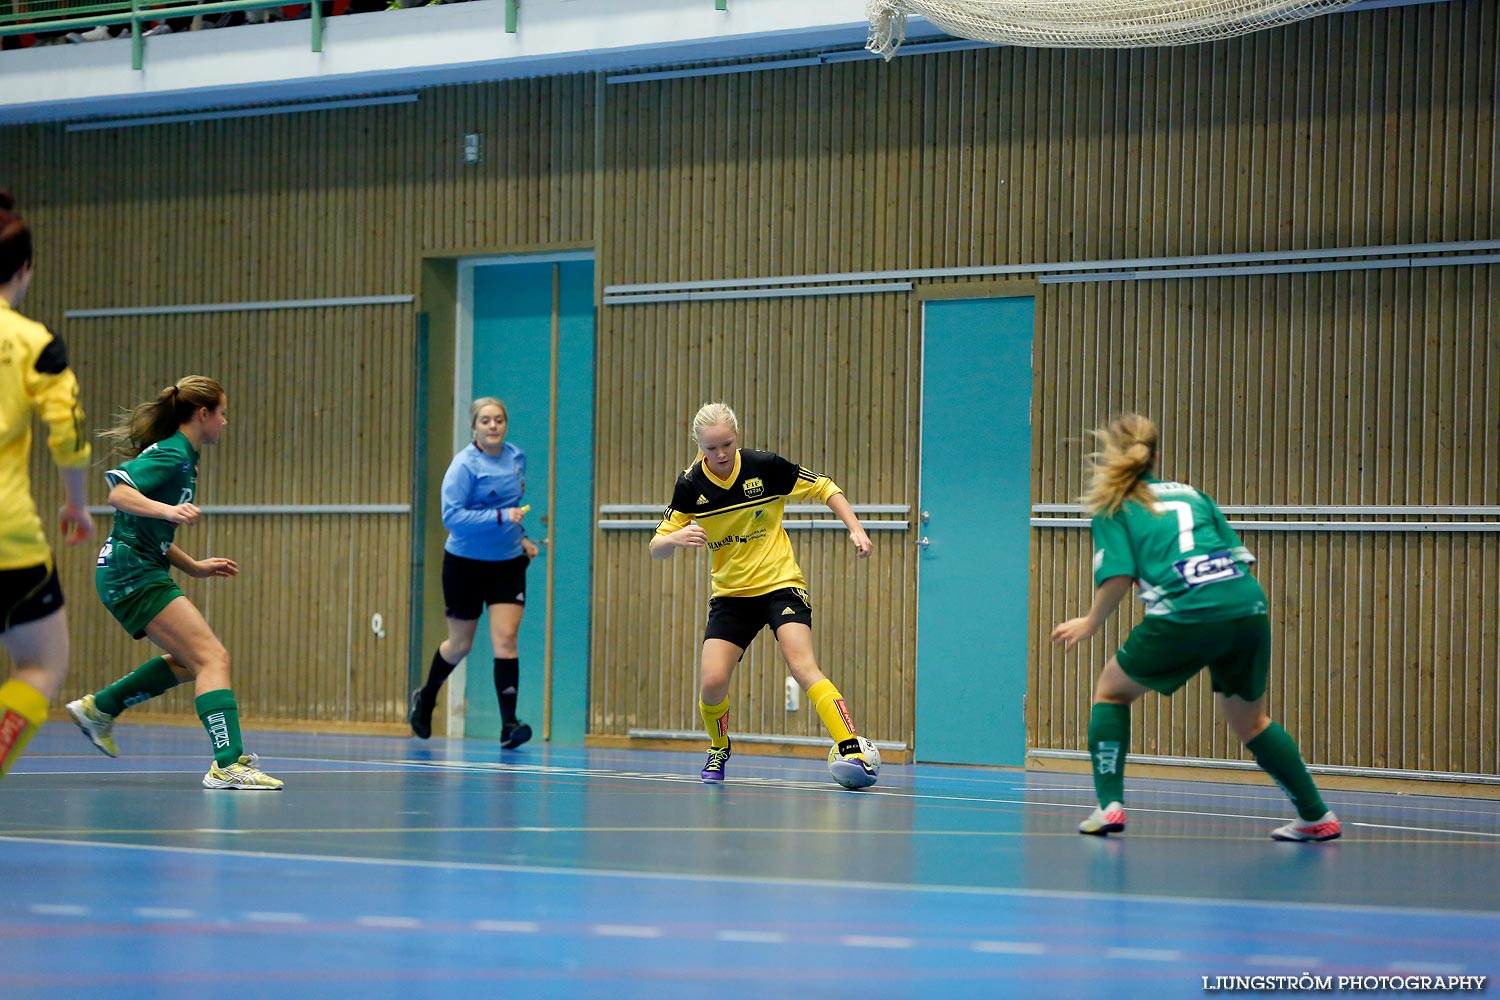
<point x="713" y="771"/>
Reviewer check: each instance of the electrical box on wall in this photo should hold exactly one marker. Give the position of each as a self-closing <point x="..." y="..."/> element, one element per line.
<point x="472" y="149"/>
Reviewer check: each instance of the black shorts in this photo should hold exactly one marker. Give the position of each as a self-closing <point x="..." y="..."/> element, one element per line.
<point x="470" y="585"/>
<point x="28" y="594"/>
<point x="740" y="619"/>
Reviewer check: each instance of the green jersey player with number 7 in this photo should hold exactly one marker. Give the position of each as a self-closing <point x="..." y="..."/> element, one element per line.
<point x="153" y="495"/>
<point x="1203" y="609"/>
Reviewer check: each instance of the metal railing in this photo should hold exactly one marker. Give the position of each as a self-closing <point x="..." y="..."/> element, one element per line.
<point x="29" y="17"/>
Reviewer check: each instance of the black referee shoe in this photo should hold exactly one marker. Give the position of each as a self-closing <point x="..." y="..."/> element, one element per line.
<point x="513" y="734"/>
<point x="420" y="715"/>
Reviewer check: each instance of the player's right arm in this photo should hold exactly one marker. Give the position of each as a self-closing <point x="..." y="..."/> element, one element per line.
<point x="677" y="530"/>
<point x="129" y="500"/>
<point x="149" y="472"/>
<point x="1114" y="573"/>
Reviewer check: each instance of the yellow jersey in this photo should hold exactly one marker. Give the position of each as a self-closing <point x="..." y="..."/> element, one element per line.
<point x="34" y="379"/>
<point x="749" y="551"/>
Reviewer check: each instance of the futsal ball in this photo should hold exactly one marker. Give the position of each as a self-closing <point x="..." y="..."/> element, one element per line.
<point x="867" y="750"/>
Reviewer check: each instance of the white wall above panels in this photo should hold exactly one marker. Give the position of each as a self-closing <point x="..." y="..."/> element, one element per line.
<point x="421" y="46"/>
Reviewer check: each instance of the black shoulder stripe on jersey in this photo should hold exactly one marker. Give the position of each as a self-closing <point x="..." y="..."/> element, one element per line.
<point x="54" y="357"/>
<point x="811" y="477"/>
<point x="732" y="508"/>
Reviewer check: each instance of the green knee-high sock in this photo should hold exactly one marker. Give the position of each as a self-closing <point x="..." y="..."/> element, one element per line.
<point x="1109" y="739"/>
<point x="220" y="715"/>
<point x="1276" y="752"/>
<point x="143" y="683"/>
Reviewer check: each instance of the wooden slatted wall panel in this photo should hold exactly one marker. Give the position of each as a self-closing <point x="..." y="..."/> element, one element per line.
<point x="1345" y="388"/>
<point x="1361" y="129"/>
<point x="823" y="381"/>
<point x="340" y="203"/>
<point x="1384" y="652"/>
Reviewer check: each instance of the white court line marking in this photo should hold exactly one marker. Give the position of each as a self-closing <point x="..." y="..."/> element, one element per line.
<point x="1009" y="947"/>
<point x="752" y="937"/>
<point x="276" y="918"/>
<point x="626" y="931"/>
<point x="117" y="771"/>
<point x="1432" y="968"/>
<point x="869" y="941"/>
<point x="59" y="909"/>
<point x="507" y="926"/>
<point x="163" y="913"/>
<point x="1300" y="961"/>
<point x="894" y="793"/>
<point x="761" y="881"/>
<point x="1144" y="954"/>
<point x="1274" y="798"/>
<point x="1425" y="829"/>
<point x="406" y="923"/>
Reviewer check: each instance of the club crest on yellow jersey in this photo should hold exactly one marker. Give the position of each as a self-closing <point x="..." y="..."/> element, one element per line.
<point x="754" y="487"/>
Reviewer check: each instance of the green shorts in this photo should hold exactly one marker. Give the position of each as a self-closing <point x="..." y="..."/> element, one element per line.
<point x="133" y="587"/>
<point x="1164" y="655"/>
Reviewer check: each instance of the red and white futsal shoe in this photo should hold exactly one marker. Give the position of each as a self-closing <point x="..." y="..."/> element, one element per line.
<point x="1110" y="819"/>
<point x="1325" y="827"/>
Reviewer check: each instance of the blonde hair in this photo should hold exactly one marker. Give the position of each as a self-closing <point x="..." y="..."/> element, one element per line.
<point x="480" y="404"/>
<point x="712" y="415"/>
<point x="1127" y="451"/>
<point x="142" y="426"/>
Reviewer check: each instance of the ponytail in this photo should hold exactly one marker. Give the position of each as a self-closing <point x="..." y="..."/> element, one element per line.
<point x="142" y="426"/>
<point x="1127" y="451"/>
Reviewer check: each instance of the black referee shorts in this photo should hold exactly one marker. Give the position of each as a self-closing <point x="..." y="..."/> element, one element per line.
<point x="470" y="585"/>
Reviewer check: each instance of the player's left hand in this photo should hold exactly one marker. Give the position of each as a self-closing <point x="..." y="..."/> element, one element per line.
<point x="205" y="568"/>
<point x="530" y="548"/>
<point x="77" y="525"/>
<point x="861" y="542"/>
<point x="1073" y="631"/>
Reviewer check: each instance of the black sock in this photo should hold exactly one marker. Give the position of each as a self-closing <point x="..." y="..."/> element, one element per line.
<point x="507" y="676"/>
<point x="436" y="674"/>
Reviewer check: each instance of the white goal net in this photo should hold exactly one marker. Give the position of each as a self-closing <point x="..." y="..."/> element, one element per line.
<point x="1092" y="24"/>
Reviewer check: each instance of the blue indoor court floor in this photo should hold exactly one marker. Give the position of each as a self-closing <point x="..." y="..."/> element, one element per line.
<point x="397" y="868"/>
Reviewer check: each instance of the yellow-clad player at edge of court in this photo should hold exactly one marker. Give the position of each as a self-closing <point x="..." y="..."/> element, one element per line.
<point x="731" y="502"/>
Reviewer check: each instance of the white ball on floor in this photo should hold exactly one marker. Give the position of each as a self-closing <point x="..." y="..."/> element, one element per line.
<point x="846" y="776"/>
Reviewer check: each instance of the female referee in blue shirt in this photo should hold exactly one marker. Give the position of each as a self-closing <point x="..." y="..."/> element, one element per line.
<point x="484" y="564"/>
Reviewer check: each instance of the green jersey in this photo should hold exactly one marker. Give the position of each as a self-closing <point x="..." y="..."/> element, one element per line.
<point x="166" y="472"/>
<point x="1186" y="558"/>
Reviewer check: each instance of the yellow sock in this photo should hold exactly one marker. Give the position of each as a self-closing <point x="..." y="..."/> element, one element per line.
<point x="716" y="719"/>
<point x="23" y="709"/>
<point x="830" y="705"/>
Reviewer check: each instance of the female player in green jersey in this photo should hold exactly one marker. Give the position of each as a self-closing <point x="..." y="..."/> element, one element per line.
<point x="1203" y="608"/>
<point x="731" y="503"/>
<point x="152" y="495"/>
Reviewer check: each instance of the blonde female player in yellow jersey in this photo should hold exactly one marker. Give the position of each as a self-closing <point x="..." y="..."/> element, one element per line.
<point x="731" y="502"/>
<point x="34" y="378"/>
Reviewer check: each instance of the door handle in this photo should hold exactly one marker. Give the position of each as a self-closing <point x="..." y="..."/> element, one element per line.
<point x="922" y="542"/>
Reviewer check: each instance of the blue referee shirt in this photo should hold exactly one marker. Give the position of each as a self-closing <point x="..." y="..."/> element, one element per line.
<point x="478" y="492"/>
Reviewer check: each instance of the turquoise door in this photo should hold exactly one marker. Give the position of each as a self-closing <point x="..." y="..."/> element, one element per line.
<point x="974" y="531"/>
<point x="512" y="326"/>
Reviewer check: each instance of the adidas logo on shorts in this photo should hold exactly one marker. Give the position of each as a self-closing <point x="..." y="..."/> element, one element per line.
<point x="787" y="611"/>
